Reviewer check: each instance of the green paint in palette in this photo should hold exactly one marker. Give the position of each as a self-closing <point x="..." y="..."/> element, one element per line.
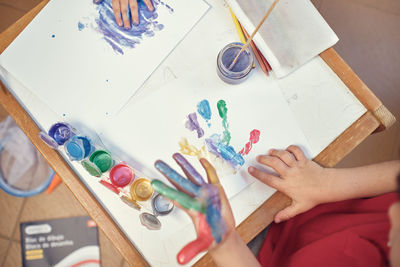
<point x="102" y="159"/>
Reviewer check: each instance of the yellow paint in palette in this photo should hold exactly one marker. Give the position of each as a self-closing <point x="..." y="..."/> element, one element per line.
<point x="141" y="190"/>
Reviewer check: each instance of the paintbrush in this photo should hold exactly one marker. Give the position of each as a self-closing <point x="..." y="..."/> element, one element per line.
<point x="256" y="52"/>
<point x="254" y="33"/>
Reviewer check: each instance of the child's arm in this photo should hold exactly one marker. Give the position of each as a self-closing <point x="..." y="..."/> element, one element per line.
<point x="233" y="252"/>
<point x="309" y="184"/>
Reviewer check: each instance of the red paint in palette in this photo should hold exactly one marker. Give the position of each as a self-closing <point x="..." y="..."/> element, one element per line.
<point x="254" y="138"/>
<point x="121" y="175"/>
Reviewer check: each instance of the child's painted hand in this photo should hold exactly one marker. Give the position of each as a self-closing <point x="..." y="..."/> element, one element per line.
<point x="120" y="8"/>
<point x="303" y="180"/>
<point x="205" y="203"/>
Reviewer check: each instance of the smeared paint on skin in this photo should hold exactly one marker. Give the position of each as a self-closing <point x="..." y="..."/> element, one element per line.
<point x="176" y="178"/>
<point x="202" y="243"/>
<point x="206" y="200"/>
<point x="210" y="194"/>
<point x="217" y="147"/>
<point x="193" y="125"/>
<point x="223" y="112"/>
<point x="254" y="138"/>
<point x="203" y="108"/>
<point x="184" y="200"/>
<point x="188" y="169"/>
<point x="120" y="38"/>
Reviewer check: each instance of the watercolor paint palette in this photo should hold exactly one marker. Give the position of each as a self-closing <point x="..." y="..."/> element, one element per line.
<point x="74" y="50"/>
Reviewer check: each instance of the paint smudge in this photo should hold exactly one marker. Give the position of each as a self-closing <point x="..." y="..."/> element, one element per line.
<point x="170" y="9"/>
<point x="217" y="147"/>
<point x="203" y="108"/>
<point x="120" y="38"/>
<point x="254" y="137"/>
<point x="190" y="150"/>
<point x="81" y="26"/>
<point x="193" y="125"/>
<point x="223" y="110"/>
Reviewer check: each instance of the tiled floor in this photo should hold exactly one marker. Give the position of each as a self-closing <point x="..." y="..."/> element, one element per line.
<point x="369" y="42"/>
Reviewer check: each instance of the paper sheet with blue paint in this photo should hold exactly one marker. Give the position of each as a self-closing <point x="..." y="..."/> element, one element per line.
<point x="84" y="66"/>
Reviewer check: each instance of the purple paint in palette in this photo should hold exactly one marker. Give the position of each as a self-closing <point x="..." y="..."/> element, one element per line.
<point x="118" y="37"/>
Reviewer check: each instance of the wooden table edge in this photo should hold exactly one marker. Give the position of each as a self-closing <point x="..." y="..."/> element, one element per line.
<point x="376" y="118"/>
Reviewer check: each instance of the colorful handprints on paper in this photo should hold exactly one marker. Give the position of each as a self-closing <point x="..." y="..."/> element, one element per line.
<point x="217" y="144"/>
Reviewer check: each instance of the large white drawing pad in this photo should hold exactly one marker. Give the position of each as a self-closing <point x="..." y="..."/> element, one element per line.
<point x="80" y="67"/>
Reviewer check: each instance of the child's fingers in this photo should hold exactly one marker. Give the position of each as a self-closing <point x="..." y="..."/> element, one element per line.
<point x="184" y="200"/>
<point x="117" y="11"/>
<point x="214" y="180"/>
<point x="176" y="179"/>
<point x="211" y="172"/>
<point x="287" y="213"/>
<point x="266" y="178"/>
<point x="202" y="243"/>
<point x="124" y="13"/>
<point x="149" y="5"/>
<point x="274" y="162"/>
<point x="285" y="156"/>
<point x="297" y="152"/>
<point x="134" y="11"/>
<point x="188" y="169"/>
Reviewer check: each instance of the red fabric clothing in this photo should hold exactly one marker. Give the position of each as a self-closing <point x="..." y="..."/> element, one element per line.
<point x="347" y="233"/>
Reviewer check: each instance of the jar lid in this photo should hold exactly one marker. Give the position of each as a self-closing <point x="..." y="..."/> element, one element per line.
<point x="91" y="168"/>
<point x="48" y="140"/>
<point x="150" y="221"/>
<point x="130" y="202"/>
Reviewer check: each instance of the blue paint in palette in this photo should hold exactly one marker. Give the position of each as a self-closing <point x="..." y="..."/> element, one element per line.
<point x="118" y="37"/>
<point x="203" y="108"/>
<point x="78" y="148"/>
<point x="61" y="132"/>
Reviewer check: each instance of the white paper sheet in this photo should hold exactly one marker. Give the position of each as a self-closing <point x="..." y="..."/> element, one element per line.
<point x="64" y="45"/>
<point x="150" y="128"/>
<point x="292" y="35"/>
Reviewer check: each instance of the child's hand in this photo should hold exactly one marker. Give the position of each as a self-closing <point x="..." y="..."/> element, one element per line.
<point x="120" y="7"/>
<point x="205" y="203"/>
<point x="303" y="180"/>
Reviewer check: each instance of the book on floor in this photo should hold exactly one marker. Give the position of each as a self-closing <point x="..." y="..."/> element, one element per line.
<point x="60" y="242"/>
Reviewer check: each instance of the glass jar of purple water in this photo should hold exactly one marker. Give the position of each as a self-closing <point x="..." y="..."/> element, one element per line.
<point x="239" y="71"/>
